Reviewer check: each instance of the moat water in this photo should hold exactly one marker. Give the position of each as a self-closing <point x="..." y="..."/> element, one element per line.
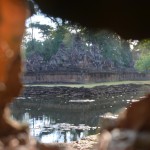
<point x="62" y="120"/>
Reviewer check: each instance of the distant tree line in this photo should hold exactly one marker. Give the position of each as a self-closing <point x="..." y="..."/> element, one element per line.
<point x="108" y="45"/>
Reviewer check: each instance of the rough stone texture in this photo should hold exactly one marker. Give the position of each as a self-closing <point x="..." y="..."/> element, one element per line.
<point x="83" y="76"/>
<point x="84" y="93"/>
<point x="88" y="143"/>
<point x="23" y="141"/>
<point x="132" y="128"/>
<point x="75" y="59"/>
<point x="11" y="33"/>
<point x="13" y="136"/>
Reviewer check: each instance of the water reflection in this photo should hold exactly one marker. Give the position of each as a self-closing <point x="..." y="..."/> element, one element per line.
<point x="57" y="120"/>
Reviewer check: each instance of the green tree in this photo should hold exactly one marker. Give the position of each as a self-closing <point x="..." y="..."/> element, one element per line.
<point x="47" y="51"/>
<point x="53" y="38"/>
<point x="57" y="39"/>
<point x="33" y="46"/>
<point x="143" y="64"/>
<point x="68" y="40"/>
<point x="45" y="30"/>
<point x="126" y="54"/>
<point x="112" y="47"/>
<point x="143" y="46"/>
<point x="109" y="44"/>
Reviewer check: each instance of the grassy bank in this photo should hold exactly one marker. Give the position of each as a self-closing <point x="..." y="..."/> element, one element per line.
<point x="90" y="85"/>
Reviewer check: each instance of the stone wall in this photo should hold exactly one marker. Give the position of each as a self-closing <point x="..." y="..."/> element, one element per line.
<point x="82" y="77"/>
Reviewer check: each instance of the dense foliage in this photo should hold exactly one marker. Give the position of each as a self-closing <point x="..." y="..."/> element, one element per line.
<point x="143" y="61"/>
<point x="108" y="47"/>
